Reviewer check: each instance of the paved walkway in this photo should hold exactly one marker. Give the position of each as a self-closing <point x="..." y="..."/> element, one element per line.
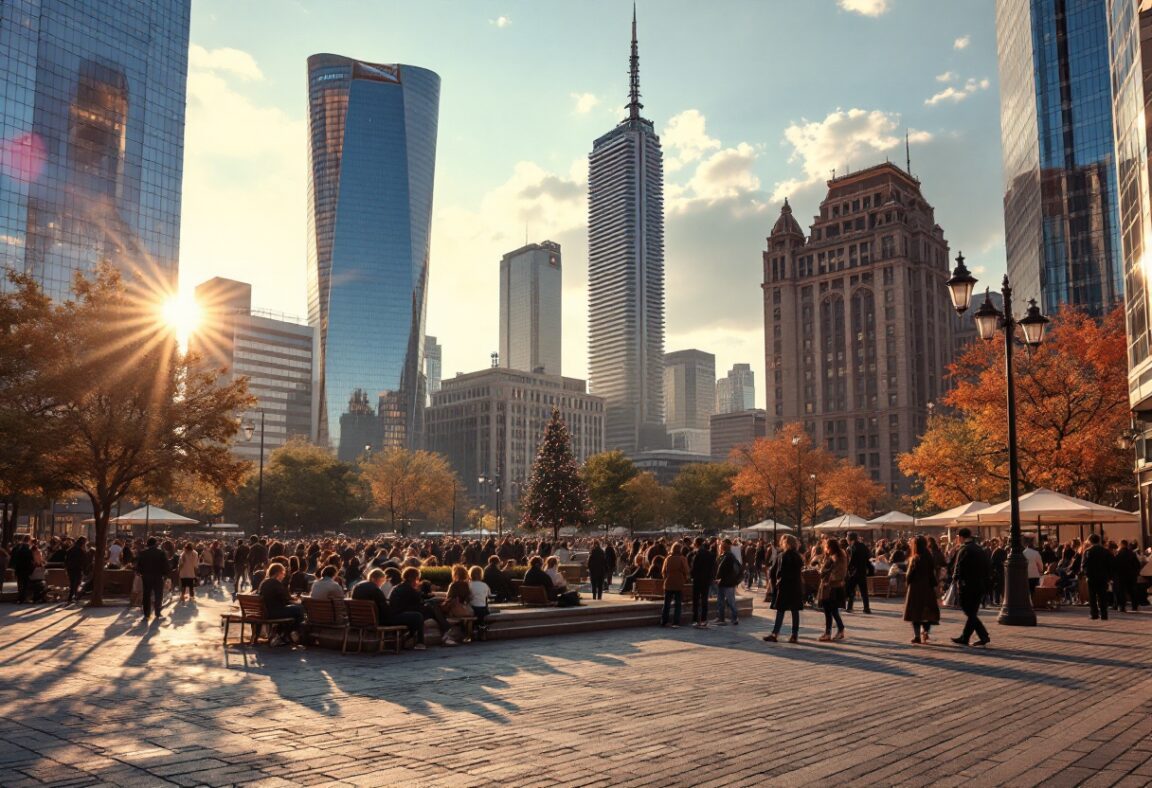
<point x="97" y="697"/>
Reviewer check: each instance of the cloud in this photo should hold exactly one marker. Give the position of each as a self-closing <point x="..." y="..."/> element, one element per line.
<point x="726" y="173"/>
<point x="226" y="60"/>
<point x="843" y="138"/>
<point x="685" y="139"/>
<point x="864" y="7"/>
<point x="958" y="94"/>
<point x="585" y="102"/>
<point x="962" y="42"/>
<point x="500" y="22"/>
<point x="947" y="76"/>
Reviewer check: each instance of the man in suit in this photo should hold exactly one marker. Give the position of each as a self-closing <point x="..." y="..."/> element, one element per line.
<point x="1097" y="567"/>
<point x="971" y="573"/>
<point x="153" y="567"/>
<point x="859" y="564"/>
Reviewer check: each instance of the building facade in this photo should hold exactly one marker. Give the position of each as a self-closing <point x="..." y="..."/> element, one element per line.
<point x="275" y="354"/>
<point x="433" y="365"/>
<point x="92" y="138"/>
<point x="372" y="160"/>
<point x="689" y="398"/>
<point x="733" y="430"/>
<point x="858" y="333"/>
<point x="530" y="308"/>
<point x="490" y="423"/>
<point x="1061" y="227"/>
<point x="626" y="276"/>
<point x="736" y="391"/>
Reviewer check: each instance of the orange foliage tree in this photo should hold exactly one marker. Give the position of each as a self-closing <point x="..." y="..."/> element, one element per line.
<point x="1071" y="406"/>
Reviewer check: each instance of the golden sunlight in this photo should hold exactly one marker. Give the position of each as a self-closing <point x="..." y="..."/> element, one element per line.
<point x="182" y="314"/>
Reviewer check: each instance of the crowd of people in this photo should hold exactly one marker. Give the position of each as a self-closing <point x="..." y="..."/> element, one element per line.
<point x="394" y="574"/>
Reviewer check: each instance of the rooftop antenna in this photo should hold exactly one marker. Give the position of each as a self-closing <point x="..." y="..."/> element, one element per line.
<point x="634" y="105"/>
<point x="907" y="154"/>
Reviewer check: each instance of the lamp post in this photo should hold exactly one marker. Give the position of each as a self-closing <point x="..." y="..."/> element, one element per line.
<point x="249" y="428"/>
<point x="799" y="489"/>
<point x="815" y="496"/>
<point x="494" y="483"/>
<point x="1017" y="608"/>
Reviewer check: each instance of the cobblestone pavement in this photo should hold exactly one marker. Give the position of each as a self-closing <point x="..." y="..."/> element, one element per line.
<point x="97" y="697"/>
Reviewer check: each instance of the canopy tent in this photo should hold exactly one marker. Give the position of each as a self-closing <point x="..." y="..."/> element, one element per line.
<point x="150" y="515"/>
<point x="947" y="518"/>
<point x="847" y="522"/>
<point x="768" y="526"/>
<point x="892" y="519"/>
<point x="1047" y="507"/>
<point x="618" y="531"/>
<point x="477" y="532"/>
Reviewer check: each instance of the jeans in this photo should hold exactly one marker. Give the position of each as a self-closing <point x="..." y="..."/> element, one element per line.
<point x="970" y="604"/>
<point x="413" y="620"/>
<point x="699" y="604"/>
<point x="831" y="608"/>
<point x="780" y="621"/>
<point x="672" y="599"/>
<point x="22" y="585"/>
<point x="850" y="587"/>
<point x="153" y="594"/>
<point x="294" y="612"/>
<point x="1125" y="593"/>
<point x="597" y="580"/>
<point x="188" y="584"/>
<point x="917" y="626"/>
<point x="727" y="601"/>
<point x="1098" y="598"/>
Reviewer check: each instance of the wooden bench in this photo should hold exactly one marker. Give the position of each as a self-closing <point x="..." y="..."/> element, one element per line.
<point x="362" y="618"/>
<point x="1046" y="597"/>
<point x="879" y="585"/>
<point x="573" y="573"/>
<point x="535" y="596"/>
<point x="648" y="588"/>
<point x="325" y="614"/>
<point x="55" y="584"/>
<point x="252" y="613"/>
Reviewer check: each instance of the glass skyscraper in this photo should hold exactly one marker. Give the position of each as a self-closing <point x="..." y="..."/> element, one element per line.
<point x="626" y="277"/>
<point x="1060" y="219"/>
<point x="372" y="157"/>
<point x="92" y="96"/>
<point x="530" y="308"/>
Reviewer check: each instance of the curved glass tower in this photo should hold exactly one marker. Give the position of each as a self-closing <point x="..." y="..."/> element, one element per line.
<point x="372" y="157"/>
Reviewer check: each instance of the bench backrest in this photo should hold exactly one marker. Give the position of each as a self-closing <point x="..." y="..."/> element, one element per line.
<point x="252" y="606"/>
<point x="323" y="612"/>
<point x="361" y="612"/>
<point x="57" y="578"/>
<point x="649" y="585"/>
<point x="534" y="595"/>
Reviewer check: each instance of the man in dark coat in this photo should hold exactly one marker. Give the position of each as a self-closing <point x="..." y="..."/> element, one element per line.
<point x="703" y="572"/>
<point x="610" y="564"/>
<point x="859" y="567"/>
<point x="372" y="592"/>
<point x="74" y="561"/>
<point x="21" y="566"/>
<point x="728" y="575"/>
<point x="498" y="582"/>
<point x="1126" y="573"/>
<point x="597" y="568"/>
<point x="152" y="566"/>
<point x="788" y="588"/>
<point x="972" y="571"/>
<point x="1097" y="567"/>
<point x="257" y="556"/>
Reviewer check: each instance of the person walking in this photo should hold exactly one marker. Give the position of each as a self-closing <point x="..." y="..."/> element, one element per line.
<point x="788" y="584"/>
<point x="21" y="564"/>
<point x="833" y="573"/>
<point x="859" y="567"/>
<point x="676" y="574"/>
<point x="921" y="603"/>
<point x="152" y="566"/>
<point x="189" y="562"/>
<point x="597" y="569"/>
<point x="727" y="578"/>
<point x="74" y="561"/>
<point x="972" y="571"/>
<point x="1097" y="567"/>
<point x="703" y="573"/>
<point x="1126" y="573"/>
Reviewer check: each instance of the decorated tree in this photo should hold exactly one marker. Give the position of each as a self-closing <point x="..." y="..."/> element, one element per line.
<point x="556" y="495"/>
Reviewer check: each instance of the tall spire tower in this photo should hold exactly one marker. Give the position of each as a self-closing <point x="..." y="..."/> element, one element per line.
<point x="626" y="275"/>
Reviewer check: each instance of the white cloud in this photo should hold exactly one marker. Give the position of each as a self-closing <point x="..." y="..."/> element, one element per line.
<point x="958" y="94"/>
<point x="500" y="21"/>
<point x="685" y="139"/>
<point x="947" y="76"/>
<point x="854" y="137"/>
<point x="585" y="102"/>
<point x="726" y="173"/>
<point x="962" y="42"/>
<point x="864" y="7"/>
<point x="224" y="60"/>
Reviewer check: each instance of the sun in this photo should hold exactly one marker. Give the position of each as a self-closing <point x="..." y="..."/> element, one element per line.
<point x="182" y="314"/>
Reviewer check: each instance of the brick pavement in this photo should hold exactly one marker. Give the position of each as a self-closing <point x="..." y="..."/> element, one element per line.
<point x="98" y="698"/>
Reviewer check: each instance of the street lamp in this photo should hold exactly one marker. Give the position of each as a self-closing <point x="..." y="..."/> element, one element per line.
<point x="494" y="482"/>
<point x="799" y="489"/>
<point x="815" y="502"/>
<point x="1017" y="608"/>
<point x="249" y="428"/>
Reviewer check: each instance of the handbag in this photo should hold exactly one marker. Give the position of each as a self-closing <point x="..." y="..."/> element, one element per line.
<point x="952" y="596"/>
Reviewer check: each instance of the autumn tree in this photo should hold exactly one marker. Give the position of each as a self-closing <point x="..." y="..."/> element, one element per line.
<point x="1072" y="405"/>
<point x="647" y="502"/>
<point x="701" y="494"/>
<point x="407" y="483"/>
<point x="556" y="495"/>
<point x="605" y="475"/>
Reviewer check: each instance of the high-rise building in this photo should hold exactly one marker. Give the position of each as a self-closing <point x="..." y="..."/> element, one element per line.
<point x="272" y="351"/>
<point x="490" y="423"/>
<point x="433" y="365"/>
<point x="372" y="157"/>
<point x="733" y="430"/>
<point x="1061" y="229"/>
<point x="626" y="276"/>
<point x="736" y="391"/>
<point x="92" y="138"/>
<point x="689" y="398"/>
<point x="530" y="308"/>
<point x="857" y="323"/>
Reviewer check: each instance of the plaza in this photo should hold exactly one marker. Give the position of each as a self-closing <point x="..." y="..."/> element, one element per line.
<point x="96" y="697"/>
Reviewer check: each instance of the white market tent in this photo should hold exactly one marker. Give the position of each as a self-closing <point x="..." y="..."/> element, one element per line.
<point x="893" y="519"/>
<point x="1047" y="507"/>
<point x="151" y="515"/>
<point x="766" y="526"/>
<point x="947" y="519"/>
<point x="846" y="522"/>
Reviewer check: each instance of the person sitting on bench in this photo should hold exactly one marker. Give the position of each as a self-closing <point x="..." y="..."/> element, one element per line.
<point x="278" y="604"/>
<point x="536" y="576"/>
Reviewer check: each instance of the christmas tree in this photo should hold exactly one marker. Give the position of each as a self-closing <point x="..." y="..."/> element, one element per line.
<point x="555" y="496"/>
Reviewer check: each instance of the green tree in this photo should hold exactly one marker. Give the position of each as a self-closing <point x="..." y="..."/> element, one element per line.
<point x="406" y="484"/>
<point x="605" y="475"/>
<point x="132" y="413"/>
<point x="702" y="493"/>
<point x="556" y="495"/>
<point x="305" y="487"/>
<point x="648" y="502"/>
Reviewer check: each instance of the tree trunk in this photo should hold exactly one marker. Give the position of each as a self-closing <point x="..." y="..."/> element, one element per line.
<point x="102" y="514"/>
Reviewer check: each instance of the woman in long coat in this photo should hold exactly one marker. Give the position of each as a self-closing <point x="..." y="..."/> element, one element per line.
<point x="788" y="583"/>
<point x="921" y="605"/>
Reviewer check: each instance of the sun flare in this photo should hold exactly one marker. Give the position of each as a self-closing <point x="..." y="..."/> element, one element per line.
<point x="182" y="314"/>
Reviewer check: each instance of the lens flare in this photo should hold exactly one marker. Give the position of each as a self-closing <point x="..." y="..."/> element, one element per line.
<point x="182" y="314"/>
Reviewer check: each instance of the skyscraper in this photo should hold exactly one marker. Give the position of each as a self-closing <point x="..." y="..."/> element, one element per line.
<point x="737" y="391"/>
<point x="1060" y="220"/>
<point x="857" y="325"/>
<point x="530" y="308"/>
<point x="689" y="398"/>
<point x="626" y="276"/>
<point x="372" y="157"/>
<point x="92" y="138"/>
<point x="433" y="365"/>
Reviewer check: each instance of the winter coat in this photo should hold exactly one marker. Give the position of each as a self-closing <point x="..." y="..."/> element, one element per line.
<point x="788" y="580"/>
<point x="920" y="601"/>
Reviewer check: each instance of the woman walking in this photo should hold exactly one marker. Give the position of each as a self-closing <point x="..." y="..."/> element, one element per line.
<point x="833" y="572"/>
<point x="921" y="606"/>
<point x="189" y="562"/>
<point x="788" y="582"/>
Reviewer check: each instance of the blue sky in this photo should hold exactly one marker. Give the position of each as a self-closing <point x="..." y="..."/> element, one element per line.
<point x="754" y="100"/>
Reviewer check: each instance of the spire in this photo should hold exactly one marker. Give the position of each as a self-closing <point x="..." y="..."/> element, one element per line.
<point x="634" y="105"/>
